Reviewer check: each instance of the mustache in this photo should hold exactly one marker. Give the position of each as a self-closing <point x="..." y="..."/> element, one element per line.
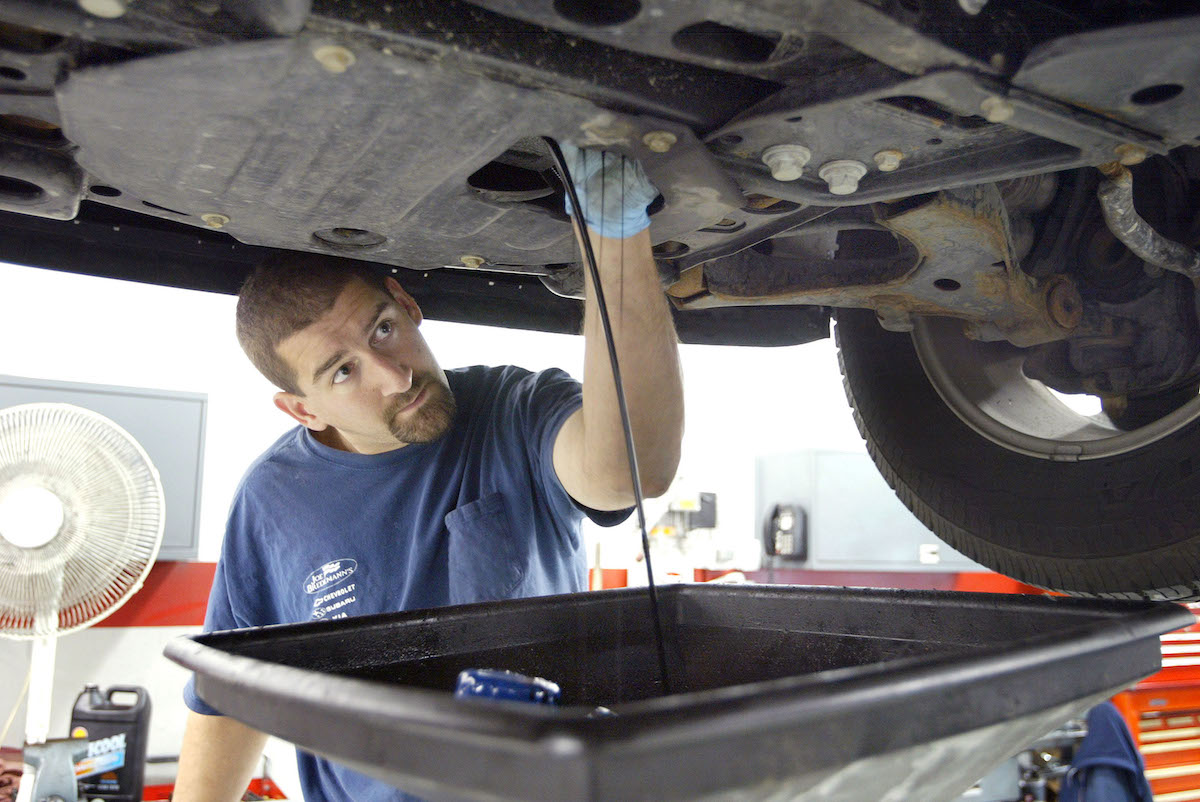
<point x="399" y="402"/>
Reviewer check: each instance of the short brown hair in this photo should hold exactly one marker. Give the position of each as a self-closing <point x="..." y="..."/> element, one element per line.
<point x="288" y="292"/>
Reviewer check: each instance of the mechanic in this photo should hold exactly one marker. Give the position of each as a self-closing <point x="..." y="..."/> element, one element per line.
<point x="408" y="487"/>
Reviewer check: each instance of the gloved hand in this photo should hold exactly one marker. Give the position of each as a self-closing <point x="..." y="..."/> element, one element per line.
<point x="613" y="191"/>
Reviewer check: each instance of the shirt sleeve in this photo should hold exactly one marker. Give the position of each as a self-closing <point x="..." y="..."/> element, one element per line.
<point x="552" y="397"/>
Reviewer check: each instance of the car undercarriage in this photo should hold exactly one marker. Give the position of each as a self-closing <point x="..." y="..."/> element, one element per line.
<point x="999" y="199"/>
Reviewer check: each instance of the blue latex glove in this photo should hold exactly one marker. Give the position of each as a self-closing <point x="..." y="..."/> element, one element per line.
<point x="613" y="190"/>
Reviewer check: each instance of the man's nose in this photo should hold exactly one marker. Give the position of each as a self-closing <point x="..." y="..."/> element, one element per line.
<point x="393" y="379"/>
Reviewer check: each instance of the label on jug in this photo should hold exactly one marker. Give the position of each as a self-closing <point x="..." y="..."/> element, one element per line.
<point x="105" y="754"/>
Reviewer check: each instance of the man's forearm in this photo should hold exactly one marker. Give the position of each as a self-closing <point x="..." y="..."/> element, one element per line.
<point x="217" y="759"/>
<point x="647" y="350"/>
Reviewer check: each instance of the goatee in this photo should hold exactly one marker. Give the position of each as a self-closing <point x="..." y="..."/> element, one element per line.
<point x="430" y="421"/>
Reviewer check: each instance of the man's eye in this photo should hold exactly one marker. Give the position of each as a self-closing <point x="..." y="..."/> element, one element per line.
<point x="383" y="329"/>
<point x="341" y="374"/>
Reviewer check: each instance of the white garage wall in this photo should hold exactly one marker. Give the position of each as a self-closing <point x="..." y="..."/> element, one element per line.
<point x="740" y="403"/>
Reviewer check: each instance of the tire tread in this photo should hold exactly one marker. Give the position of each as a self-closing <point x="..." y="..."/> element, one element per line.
<point x="1171" y="573"/>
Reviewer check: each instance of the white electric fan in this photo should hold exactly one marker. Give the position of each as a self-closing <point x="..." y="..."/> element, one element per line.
<point x="81" y="521"/>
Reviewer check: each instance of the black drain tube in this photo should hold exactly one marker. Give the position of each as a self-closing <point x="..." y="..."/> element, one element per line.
<point x="589" y="258"/>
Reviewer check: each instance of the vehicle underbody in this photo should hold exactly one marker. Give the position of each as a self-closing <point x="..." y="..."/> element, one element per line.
<point x="931" y="161"/>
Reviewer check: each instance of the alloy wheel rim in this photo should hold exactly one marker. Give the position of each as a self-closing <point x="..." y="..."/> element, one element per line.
<point x="984" y="386"/>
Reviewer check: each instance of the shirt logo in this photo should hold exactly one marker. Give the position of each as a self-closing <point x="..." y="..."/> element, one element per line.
<point x="329" y="575"/>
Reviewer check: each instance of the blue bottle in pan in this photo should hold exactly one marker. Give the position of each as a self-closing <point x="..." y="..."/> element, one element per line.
<point x="493" y="683"/>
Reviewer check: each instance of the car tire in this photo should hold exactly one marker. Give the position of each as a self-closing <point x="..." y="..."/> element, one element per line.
<point x="1122" y="526"/>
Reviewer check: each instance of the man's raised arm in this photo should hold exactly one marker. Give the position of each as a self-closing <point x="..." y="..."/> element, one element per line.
<point x="590" y="453"/>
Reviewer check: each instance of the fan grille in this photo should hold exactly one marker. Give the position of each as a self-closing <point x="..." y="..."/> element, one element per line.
<point x="112" y="518"/>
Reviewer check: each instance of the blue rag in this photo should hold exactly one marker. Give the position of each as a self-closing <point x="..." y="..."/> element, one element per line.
<point x="1108" y="766"/>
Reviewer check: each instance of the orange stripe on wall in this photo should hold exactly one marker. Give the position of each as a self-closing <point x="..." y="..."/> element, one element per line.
<point x="992" y="583"/>
<point x="175" y="595"/>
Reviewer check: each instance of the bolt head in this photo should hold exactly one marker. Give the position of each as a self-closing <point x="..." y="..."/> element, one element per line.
<point x="472" y="261"/>
<point x="997" y="109"/>
<point x="1064" y="303"/>
<point x="659" y="141"/>
<point x="214" y="220"/>
<point x="786" y="162"/>
<point x="1130" y="154"/>
<point x="842" y="175"/>
<point x="334" y="58"/>
<point x="105" y="9"/>
<point x="888" y="160"/>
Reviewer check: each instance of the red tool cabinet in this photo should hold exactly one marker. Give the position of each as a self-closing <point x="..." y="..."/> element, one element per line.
<point x="1163" y="713"/>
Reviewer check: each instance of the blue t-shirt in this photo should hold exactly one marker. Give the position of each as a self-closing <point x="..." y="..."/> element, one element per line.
<point x="477" y="515"/>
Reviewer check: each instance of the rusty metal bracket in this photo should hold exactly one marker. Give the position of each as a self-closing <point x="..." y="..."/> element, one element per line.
<point x="968" y="270"/>
<point x="964" y="268"/>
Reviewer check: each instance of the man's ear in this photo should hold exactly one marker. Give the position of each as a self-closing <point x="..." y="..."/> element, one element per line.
<point x="294" y="406"/>
<point x="404" y="299"/>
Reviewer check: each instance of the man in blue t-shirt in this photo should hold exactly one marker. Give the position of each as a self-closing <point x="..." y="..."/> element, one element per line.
<point x="406" y="486"/>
